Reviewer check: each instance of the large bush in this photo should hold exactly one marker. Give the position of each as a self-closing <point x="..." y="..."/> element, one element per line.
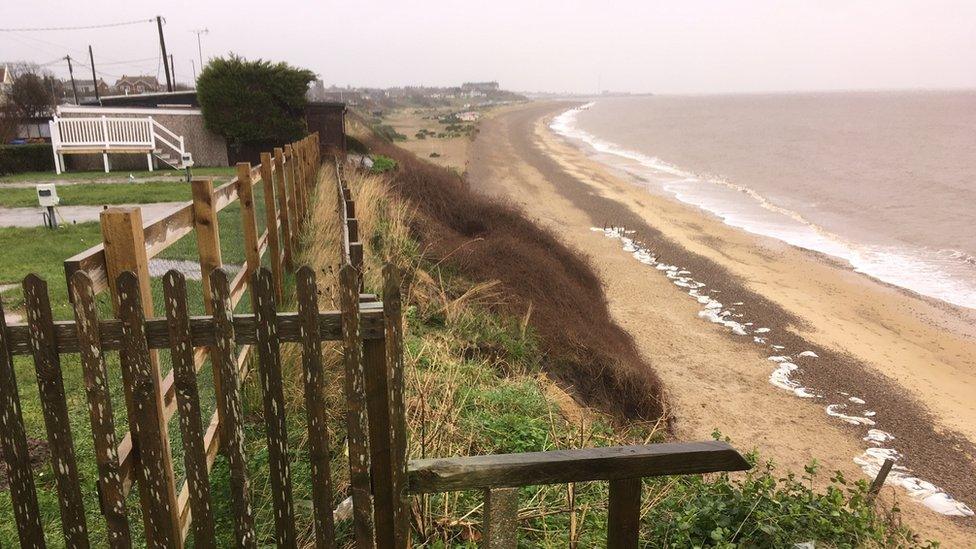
<point x="26" y="158"/>
<point x="253" y="101"/>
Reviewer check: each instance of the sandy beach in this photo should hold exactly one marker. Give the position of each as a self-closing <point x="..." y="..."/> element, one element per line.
<point x="860" y="357"/>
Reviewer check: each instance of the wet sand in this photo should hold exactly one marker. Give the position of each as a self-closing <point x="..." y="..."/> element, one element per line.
<point x="910" y="360"/>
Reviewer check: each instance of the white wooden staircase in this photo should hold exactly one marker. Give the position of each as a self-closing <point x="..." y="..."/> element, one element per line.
<point x="117" y="135"/>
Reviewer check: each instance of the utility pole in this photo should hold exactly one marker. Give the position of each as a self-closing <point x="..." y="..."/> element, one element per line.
<point x="71" y="71"/>
<point x="194" y="67"/>
<point x="172" y="70"/>
<point x="91" y="57"/>
<point x="198" y="32"/>
<point x="162" y="44"/>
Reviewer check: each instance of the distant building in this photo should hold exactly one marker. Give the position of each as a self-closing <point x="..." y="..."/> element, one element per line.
<point x="129" y="85"/>
<point x="469" y="116"/>
<point x="6" y="84"/>
<point x="86" y="89"/>
<point x="483" y="87"/>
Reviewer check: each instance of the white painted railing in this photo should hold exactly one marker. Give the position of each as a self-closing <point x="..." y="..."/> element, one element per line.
<point x="108" y="134"/>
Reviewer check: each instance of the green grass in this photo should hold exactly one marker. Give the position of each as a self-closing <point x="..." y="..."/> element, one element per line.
<point x="97" y="194"/>
<point x="223" y="172"/>
<point x="43" y="251"/>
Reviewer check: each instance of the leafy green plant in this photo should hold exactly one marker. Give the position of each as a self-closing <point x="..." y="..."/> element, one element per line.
<point x="253" y="101"/>
<point x="383" y="164"/>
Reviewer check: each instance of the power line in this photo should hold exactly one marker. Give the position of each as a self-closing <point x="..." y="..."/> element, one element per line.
<point x="85" y="27"/>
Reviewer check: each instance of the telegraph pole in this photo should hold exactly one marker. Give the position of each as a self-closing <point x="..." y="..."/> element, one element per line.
<point x="172" y="69"/>
<point x="198" y="32"/>
<point x="162" y="44"/>
<point x="91" y="57"/>
<point x="72" y="73"/>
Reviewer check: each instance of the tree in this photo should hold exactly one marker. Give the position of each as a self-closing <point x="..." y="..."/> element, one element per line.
<point x="253" y="101"/>
<point x="31" y="95"/>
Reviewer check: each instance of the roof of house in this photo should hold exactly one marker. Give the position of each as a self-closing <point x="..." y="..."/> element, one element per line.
<point x="145" y="79"/>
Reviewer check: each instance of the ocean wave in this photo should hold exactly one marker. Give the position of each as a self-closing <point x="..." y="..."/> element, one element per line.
<point x="947" y="275"/>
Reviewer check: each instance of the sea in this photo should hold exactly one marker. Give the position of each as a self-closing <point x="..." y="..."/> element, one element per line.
<point x="884" y="181"/>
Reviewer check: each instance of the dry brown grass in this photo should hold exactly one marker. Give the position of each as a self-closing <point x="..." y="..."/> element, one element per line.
<point x="538" y="277"/>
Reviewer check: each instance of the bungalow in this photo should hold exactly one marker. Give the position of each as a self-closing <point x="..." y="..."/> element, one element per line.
<point x="128" y="85"/>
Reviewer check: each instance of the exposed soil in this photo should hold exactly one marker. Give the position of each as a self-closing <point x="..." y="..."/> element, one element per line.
<point x="37" y="450"/>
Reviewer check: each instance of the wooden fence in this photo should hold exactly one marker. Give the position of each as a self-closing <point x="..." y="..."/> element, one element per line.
<point x="168" y="513"/>
<point x="370" y="331"/>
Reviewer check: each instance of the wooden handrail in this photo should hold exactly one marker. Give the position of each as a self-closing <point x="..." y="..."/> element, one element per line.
<point x="565" y="466"/>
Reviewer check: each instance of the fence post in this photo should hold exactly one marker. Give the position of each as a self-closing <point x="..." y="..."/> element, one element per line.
<point x="110" y="490"/>
<point x="499" y="524"/>
<point x="271" y="214"/>
<point x="315" y="407"/>
<point x="356" y="412"/>
<point x="294" y="197"/>
<point x="208" y="235"/>
<point x="623" y="514"/>
<point x="125" y="251"/>
<point x="245" y="193"/>
<point x="13" y="438"/>
<point x="228" y="396"/>
<point x="147" y="419"/>
<point x="393" y="336"/>
<point x="282" y="195"/>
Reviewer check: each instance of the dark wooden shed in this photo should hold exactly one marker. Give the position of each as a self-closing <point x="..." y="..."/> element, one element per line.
<point x="329" y="119"/>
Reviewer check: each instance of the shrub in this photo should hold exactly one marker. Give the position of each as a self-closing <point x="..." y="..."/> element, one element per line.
<point x="383" y="164"/>
<point x="253" y="101"/>
<point x="26" y="158"/>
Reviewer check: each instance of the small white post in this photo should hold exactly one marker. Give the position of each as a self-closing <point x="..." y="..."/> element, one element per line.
<point x="105" y="137"/>
<point x="64" y="167"/>
<point x="149" y="160"/>
<point x="54" y="144"/>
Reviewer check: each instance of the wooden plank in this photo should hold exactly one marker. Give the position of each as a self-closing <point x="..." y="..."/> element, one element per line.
<point x="564" y="466"/>
<point x="269" y="360"/>
<point x="499" y="527"/>
<point x="380" y="439"/>
<point x="315" y="409"/>
<point x="125" y="250"/>
<point x="110" y="490"/>
<point x="283" y="208"/>
<point x="249" y="222"/>
<point x="352" y="229"/>
<point x="271" y="214"/>
<point x="288" y="326"/>
<point x="188" y="402"/>
<point x="228" y="392"/>
<point x="295" y="186"/>
<point x="393" y="336"/>
<point x="47" y="364"/>
<point x="155" y="472"/>
<point x="13" y="439"/>
<point x="295" y="214"/>
<point x="208" y="234"/>
<point x="623" y="513"/>
<point x="357" y="427"/>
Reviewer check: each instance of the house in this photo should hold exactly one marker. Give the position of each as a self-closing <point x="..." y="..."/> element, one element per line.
<point x="468" y="116"/>
<point x="128" y="85"/>
<point x="86" y="89"/>
<point x="6" y="84"/>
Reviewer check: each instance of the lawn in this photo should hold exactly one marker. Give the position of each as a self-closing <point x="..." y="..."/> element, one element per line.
<point x="97" y="194"/>
<point x="223" y="172"/>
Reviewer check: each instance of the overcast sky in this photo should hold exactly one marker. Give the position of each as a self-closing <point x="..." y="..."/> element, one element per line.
<point x="664" y="46"/>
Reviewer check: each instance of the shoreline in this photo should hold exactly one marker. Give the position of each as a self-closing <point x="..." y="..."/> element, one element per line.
<point x="556" y="182"/>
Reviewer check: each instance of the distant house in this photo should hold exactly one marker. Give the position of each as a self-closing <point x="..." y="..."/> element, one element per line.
<point x="86" y="89"/>
<point x="483" y="87"/>
<point x="6" y="84"/>
<point x="468" y="116"/>
<point x="128" y="85"/>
